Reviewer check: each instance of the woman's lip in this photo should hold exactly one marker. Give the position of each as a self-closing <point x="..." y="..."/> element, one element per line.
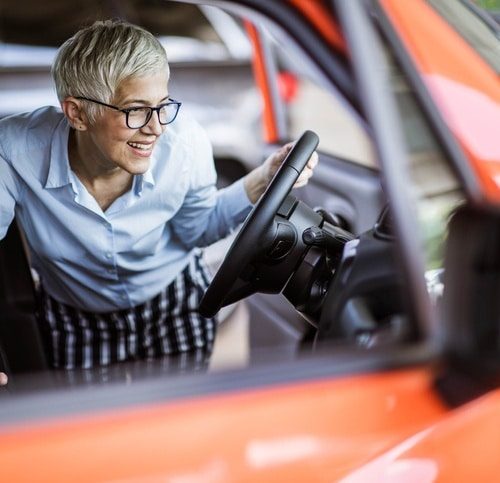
<point x="142" y="143"/>
<point x="141" y="152"/>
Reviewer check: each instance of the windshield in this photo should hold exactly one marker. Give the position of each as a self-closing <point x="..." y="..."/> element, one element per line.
<point x="480" y="33"/>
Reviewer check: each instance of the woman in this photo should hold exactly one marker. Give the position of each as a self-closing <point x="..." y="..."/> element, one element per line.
<point x="114" y="194"/>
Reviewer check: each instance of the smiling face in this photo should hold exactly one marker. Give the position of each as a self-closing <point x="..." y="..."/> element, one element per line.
<point x="108" y="145"/>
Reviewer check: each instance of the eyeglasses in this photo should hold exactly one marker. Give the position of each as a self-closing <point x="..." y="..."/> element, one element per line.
<point x="137" y="117"/>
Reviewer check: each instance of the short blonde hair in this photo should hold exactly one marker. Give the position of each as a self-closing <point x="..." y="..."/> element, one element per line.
<point x="97" y="59"/>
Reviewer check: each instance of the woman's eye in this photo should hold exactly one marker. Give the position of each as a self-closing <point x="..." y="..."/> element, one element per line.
<point x="139" y="109"/>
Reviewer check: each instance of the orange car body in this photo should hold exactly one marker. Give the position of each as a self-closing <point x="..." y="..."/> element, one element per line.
<point x="387" y="425"/>
<point x="381" y="427"/>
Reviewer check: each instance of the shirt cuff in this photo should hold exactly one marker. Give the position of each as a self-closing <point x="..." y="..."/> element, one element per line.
<point x="236" y="196"/>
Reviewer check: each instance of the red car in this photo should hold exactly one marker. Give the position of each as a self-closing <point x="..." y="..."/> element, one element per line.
<point x="390" y="255"/>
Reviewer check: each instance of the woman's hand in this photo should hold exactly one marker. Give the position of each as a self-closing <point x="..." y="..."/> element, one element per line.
<point x="257" y="180"/>
<point x="3" y="379"/>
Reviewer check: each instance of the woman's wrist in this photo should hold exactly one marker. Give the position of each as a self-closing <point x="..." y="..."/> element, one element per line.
<point x="255" y="184"/>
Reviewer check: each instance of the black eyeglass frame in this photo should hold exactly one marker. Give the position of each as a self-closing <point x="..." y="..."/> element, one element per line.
<point x="128" y="110"/>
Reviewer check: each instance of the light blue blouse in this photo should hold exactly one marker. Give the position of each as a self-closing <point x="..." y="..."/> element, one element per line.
<point x="102" y="261"/>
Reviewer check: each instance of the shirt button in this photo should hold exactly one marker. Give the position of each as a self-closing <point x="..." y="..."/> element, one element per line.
<point x="108" y="254"/>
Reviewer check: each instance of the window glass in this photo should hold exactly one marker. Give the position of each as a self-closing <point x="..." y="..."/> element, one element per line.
<point x="435" y="186"/>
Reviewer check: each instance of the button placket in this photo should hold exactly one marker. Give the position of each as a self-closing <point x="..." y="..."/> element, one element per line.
<point x="109" y="254"/>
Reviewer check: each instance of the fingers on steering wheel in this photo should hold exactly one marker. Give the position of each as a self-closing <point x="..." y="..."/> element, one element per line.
<point x="313" y="160"/>
<point x="3" y="379"/>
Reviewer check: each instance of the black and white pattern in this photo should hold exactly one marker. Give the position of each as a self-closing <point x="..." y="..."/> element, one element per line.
<point x="168" y="324"/>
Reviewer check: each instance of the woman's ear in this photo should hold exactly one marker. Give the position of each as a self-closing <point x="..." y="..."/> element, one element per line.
<point x="75" y="114"/>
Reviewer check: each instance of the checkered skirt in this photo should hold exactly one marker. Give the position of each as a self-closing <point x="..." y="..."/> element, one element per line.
<point x="168" y="324"/>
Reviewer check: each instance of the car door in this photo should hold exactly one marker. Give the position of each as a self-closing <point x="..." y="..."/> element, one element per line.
<point x="353" y="413"/>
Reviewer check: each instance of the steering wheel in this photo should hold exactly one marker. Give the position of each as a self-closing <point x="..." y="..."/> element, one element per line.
<point x="231" y="283"/>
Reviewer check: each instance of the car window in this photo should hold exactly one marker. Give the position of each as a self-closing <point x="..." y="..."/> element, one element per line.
<point x="474" y="29"/>
<point x="435" y="186"/>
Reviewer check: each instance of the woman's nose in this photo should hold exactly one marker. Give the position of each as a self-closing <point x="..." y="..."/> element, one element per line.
<point x="153" y="126"/>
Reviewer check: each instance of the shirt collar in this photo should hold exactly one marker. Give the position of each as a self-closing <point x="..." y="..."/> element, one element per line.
<point x="59" y="171"/>
<point x="145" y="179"/>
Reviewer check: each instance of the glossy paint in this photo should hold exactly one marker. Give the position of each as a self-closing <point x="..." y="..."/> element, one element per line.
<point x="462" y="448"/>
<point x="464" y="87"/>
<point x="270" y="123"/>
<point x="326" y="25"/>
<point x="312" y="431"/>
